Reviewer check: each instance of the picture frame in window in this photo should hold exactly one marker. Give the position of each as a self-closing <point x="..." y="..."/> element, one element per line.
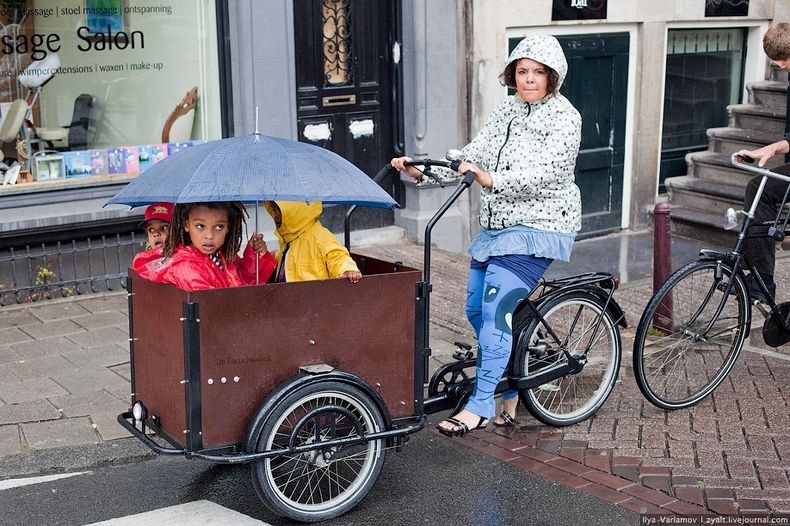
<point x="102" y="16"/>
<point x="48" y="167"/>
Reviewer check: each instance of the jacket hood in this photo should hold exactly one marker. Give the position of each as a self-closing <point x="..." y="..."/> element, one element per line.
<point x="544" y="49"/>
<point x="296" y="217"/>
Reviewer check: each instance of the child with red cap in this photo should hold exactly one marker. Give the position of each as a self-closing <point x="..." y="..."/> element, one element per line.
<point x="156" y="224"/>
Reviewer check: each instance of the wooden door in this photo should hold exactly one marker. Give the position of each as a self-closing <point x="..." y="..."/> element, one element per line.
<point x="344" y="92"/>
<point x="596" y="84"/>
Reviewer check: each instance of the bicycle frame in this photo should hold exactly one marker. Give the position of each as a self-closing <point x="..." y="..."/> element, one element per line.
<point x="736" y="258"/>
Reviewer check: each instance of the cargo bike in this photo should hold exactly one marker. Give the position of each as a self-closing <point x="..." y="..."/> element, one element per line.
<point x="311" y="383"/>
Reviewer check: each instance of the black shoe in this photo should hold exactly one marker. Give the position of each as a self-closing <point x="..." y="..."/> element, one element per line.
<point x="755" y="292"/>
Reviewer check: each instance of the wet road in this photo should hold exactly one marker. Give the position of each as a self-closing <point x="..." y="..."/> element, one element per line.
<point x="432" y="481"/>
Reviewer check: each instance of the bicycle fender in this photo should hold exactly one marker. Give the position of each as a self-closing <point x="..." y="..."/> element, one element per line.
<point x="300" y="380"/>
<point x="612" y="307"/>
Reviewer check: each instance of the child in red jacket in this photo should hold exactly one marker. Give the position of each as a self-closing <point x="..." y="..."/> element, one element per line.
<point x="202" y="249"/>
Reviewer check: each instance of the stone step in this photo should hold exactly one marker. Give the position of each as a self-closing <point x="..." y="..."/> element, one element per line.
<point x="778" y="74"/>
<point x="699" y="194"/>
<point x="716" y="168"/>
<point x="728" y="140"/>
<point x="756" y="117"/>
<point x="704" y="226"/>
<point x="770" y="93"/>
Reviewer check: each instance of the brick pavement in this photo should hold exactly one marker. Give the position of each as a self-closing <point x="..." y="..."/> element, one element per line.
<point x="729" y="454"/>
<point x="64" y="376"/>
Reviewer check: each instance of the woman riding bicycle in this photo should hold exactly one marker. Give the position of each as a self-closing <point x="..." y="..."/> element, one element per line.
<point x="530" y="210"/>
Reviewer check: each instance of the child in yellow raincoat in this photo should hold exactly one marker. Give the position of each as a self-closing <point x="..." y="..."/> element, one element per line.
<point x="308" y="250"/>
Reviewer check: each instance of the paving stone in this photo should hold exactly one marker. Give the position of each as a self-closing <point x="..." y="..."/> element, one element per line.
<point x="8" y="355"/>
<point x="103" y="356"/>
<point x="605" y="493"/>
<point x="693" y="495"/>
<point x="685" y="509"/>
<point x="751" y="506"/>
<point x="598" y="459"/>
<point x="722" y="506"/>
<point x="773" y="478"/>
<point x="81" y="381"/>
<point x="107" y="425"/>
<point x="49" y="328"/>
<point x="643" y="508"/>
<point x="16" y="317"/>
<point x="610" y="481"/>
<point x="114" y="301"/>
<point x="659" y="482"/>
<point x="33" y="411"/>
<point x="14" y="335"/>
<point x="43" y="347"/>
<point x="87" y="404"/>
<point x="58" y="433"/>
<point x="651" y="495"/>
<point x="13" y="392"/>
<point x="103" y="319"/>
<point x="39" y="367"/>
<point x="9" y="440"/>
<point x="58" y="310"/>
<point x="100" y="337"/>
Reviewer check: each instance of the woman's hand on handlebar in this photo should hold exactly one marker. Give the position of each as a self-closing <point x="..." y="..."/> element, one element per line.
<point x="762" y="155"/>
<point x="411" y="171"/>
<point x="483" y="178"/>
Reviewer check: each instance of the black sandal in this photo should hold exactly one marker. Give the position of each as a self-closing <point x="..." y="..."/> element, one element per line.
<point x="459" y="428"/>
<point x="507" y="420"/>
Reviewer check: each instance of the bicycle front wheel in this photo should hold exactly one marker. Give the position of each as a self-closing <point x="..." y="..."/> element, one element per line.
<point x="690" y="334"/>
<point x="580" y="326"/>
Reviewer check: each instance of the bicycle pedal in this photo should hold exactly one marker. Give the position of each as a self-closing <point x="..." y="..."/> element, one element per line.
<point x="463" y="356"/>
<point x="463" y="346"/>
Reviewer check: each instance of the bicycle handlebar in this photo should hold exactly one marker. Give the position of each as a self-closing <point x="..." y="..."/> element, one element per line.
<point x="747" y="163"/>
<point x="426" y="167"/>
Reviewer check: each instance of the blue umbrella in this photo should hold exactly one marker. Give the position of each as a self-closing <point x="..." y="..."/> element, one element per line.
<point x="253" y="168"/>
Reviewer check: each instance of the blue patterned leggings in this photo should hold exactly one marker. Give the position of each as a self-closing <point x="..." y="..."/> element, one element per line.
<point x="492" y="293"/>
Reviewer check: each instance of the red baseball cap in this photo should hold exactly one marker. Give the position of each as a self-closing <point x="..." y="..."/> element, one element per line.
<point x="161" y="211"/>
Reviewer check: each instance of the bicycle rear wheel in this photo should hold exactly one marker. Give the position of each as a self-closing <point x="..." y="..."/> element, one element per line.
<point x="574" y="318"/>
<point x="675" y="364"/>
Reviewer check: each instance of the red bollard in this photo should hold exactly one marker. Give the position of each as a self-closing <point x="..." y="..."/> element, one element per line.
<point x="662" y="264"/>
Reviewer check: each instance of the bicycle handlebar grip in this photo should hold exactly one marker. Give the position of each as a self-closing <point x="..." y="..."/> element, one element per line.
<point x="745" y="159"/>
<point x="469" y="178"/>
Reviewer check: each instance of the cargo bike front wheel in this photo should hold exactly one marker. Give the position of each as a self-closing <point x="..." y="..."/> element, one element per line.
<point x="325" y="482"/>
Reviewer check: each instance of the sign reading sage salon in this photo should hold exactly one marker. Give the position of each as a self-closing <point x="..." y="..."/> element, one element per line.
<point x="726" y="7"/>
<point x="578" y="9"/>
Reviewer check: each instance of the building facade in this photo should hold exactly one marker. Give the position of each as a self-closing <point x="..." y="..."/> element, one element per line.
<point x="369" y="79"/>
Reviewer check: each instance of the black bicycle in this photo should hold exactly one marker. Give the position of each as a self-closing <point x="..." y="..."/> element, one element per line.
<point x="695" y="325"/>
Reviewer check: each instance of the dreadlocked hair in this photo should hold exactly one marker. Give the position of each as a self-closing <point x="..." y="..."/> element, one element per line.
<point x="233" y="239"/>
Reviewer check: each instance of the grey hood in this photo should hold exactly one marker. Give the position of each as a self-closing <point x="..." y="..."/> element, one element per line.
<point x="544" y="49"/>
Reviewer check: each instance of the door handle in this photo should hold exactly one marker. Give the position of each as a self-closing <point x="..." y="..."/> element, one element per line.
<point x="339" y="100"/>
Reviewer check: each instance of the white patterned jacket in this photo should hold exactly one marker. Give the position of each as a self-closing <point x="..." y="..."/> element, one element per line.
<point x="530" y="152"/>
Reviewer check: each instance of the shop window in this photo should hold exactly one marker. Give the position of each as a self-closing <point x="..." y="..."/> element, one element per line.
<point x="336" y="41"/>
<point x="704" y="74"/>
<point x="113" y="70"/>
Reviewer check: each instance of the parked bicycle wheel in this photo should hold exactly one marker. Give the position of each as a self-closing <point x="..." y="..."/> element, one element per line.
<point x="678" y="360"/>
<point x="322" y="483"/>
<point x="586" y="331"/>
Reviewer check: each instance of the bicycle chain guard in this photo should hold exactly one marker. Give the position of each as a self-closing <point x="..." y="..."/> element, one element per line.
<point x="774" y="331"/>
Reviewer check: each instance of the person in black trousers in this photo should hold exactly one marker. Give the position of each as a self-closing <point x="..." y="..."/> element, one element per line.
<point x="761" y="250"/>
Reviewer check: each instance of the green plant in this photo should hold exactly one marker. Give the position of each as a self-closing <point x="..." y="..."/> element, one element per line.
<point x="44" y="276"/>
